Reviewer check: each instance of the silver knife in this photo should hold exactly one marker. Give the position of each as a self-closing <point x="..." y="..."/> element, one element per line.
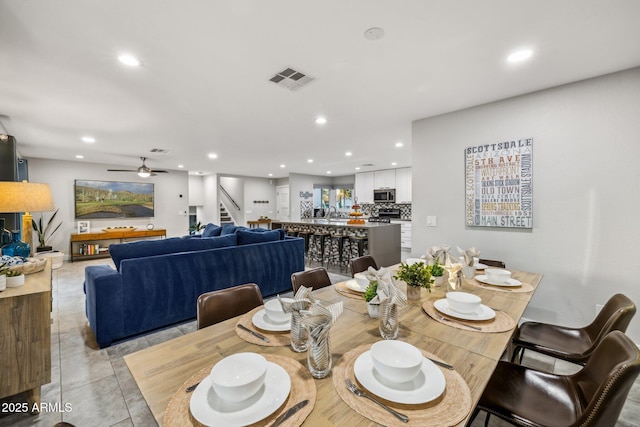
<point x="289" y="413"/>
<point x="444" y="365"/>
<point x="255" y="334"/>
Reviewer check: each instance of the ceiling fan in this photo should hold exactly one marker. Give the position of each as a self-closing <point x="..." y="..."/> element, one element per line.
<point x="143" y="171"/>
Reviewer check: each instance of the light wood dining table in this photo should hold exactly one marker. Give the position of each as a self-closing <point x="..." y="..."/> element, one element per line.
<point x="161" y="370"/>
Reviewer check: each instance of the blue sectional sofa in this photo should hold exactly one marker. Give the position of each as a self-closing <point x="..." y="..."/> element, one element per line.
<point x="157" y="283"/>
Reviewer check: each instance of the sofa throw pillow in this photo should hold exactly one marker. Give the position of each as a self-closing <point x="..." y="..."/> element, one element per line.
<point x="145" y="248"/>
<point x="248" y="237"/>
<point x="282" y="232"/>
<point x="212" y="230"/>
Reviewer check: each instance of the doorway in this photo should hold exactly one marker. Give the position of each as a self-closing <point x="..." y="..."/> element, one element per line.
<point x="282" y="202"/>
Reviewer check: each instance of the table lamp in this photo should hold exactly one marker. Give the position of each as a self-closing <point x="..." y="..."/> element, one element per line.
<point x="16" y="197"/>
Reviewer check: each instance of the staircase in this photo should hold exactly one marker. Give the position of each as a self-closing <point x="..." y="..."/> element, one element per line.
<point x="225" y="219"/>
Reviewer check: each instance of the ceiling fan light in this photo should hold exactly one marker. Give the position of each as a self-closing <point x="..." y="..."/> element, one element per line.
<point x="143" y="174"/>
<point x="143" y="171"/>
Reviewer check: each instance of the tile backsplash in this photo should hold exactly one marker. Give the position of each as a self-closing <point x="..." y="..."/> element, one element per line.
<point x="371" y="209"/>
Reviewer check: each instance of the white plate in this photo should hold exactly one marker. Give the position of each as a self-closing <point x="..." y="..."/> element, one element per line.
<point x="411" y="261"/>
<point x="479" y="266"/>
<point x="484" y="279"/>
<point x="354" y="286"/>
<point x="427" y="386"/>
<point x="262" y="321"/>
<point x="482" y="313"/>
<point x="211" y="410"/>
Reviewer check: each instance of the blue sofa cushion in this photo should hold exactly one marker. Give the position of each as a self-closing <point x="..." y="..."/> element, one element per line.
<point x="146" y="248"/>
<point x="212" y="230"/>
<point x="249" y="237"/>
<point x="282" y="232"/>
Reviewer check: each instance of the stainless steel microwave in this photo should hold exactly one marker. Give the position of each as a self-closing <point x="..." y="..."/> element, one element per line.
<point x="387" y="195"/>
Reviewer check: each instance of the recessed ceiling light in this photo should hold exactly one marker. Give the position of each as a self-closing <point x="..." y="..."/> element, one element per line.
<point x="394" y="163"/>
<point x="283" y="166"/>
<point x="357" y="168"/>
<point x="348" y="153"/>
<point x="309" y="160"/>
<point x="374" y="33"/>
<point x="128" y="59"/>
<point x="399" y="144"/>
<point x="180" y="166"/>
<point x="88" y="139"/>
<point x="79" y="156"/>
<point x="520" y="55"/>
<point x="213" y="155"/>
<point x="328" y="172"/>
<point x="270" y="174"/>
<point x="321" y="120"/>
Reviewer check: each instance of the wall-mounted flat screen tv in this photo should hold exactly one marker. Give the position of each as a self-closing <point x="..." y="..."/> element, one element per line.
<point x="113" y="199"/>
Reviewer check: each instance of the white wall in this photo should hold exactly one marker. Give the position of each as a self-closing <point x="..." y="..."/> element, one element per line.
<point x="259" y="189"/>
<point x="586" y="201"/>
<point x="196" y="190"/>
<point x="210" y="209"/>
<point x="60" y="175"/>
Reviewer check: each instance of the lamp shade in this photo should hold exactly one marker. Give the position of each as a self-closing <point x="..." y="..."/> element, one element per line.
<point x="25" y="197"/>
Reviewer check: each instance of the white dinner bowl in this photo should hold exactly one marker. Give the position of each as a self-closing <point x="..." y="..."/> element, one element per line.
<point x="273" y="310"/>
<point x="361" y="280"/>
<point x="463" y="302"/>
<point x="396" y="361"/>
<point x="497" y="275"/>
<point x="239" y="376"/>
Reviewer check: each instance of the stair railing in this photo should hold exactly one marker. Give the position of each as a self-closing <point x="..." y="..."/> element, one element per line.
<point x="229" y="197"/>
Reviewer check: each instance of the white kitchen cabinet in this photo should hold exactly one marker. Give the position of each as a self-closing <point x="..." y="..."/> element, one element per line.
<point x="364" y="187"/>
<point x="403" y="185"/>
<point x="405" y="233"/>
<point x="385" y="178"/>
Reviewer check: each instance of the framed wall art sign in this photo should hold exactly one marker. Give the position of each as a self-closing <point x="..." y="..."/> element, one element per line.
<point x="499" y="184"/>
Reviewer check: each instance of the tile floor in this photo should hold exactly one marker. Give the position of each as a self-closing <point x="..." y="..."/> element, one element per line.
<point x="97" y="383"/>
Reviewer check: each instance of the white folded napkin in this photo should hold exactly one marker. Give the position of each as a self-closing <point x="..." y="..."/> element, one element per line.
<point x="439" y="253"/>
<point x="468" y="254"/>
<point x="302" y="300"/>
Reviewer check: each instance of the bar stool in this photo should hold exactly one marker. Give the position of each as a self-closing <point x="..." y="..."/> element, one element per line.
<point x="293" y="232"/>
<point x="336" y="250"/>
<point x="358" y="246"/>
<point x="317" y="244"/>
<point x="305" y="234"/>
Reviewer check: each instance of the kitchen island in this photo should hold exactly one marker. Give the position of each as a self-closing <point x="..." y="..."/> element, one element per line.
<point x="383" y="238"/>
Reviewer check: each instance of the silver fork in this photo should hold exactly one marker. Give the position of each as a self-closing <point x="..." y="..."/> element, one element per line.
<point x="446" y="319"/>
<point x="355" y="390"/>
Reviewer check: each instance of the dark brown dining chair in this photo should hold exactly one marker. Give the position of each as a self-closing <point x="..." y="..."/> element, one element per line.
<point x="217" y="306"/>
<point x="594" y="396"/>
<point x="314" y="278"/>
<point x="573" y="344"/>
<point x="492" y="263"/>
<point x="360" y="264"/>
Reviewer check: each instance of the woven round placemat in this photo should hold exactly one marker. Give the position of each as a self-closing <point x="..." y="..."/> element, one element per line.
<point x="523" y="288"/>
<point x="501" y="323"/>
<point x="342" y="289"/>
<point x="276" y="339"/>
<point x="449" y="409"/>
<point x="303" y="387"/>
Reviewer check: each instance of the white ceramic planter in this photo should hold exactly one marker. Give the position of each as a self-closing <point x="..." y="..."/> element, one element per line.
<point x="413" y="292"/>
<point x="15" y="281"/>
<point x="374" y="310"/>
<point x="3" y="282"/>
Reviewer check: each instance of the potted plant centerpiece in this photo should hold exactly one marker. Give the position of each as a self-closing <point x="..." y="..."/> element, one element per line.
<point x="369" y="294"/>
<point x="3" y="275"/>
<point x="416" y="276"/>
<point x="15" y="278"/>
<point x="437" y="272"/>
<point x="45" y="232"/>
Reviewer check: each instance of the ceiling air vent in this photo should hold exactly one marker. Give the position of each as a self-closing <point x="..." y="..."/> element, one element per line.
<point x="291" y="79"/>
<point x="159" y="150"/>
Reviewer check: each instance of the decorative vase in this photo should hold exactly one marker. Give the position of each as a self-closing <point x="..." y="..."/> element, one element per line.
<point x="389" y="324"/>
<point x="413" y="292"/>
<point x="374" y="310"/>
<point x="16" y="247"/>
<point x="3" y="282"/>
<point x="299" y="333"/>
<point x="319" y="356"/>
<point x="14" y="281"/>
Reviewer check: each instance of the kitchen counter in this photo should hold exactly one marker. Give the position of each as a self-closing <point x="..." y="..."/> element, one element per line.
<point x="384" y="239"/>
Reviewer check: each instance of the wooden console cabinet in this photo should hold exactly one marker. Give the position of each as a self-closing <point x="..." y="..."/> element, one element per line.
<point x="25" y="335"/>
<point x="104" y="239"/>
